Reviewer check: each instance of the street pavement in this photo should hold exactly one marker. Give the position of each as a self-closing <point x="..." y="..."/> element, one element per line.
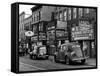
<point x="26" y="64"/>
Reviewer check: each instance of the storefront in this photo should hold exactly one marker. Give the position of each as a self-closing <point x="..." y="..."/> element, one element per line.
<point x="84" y="34"/>
<point x="42" y="38"/>
<point x="56" y="35"/>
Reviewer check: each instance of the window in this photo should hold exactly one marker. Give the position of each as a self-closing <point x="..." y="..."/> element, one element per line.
<point x="74" y="13"/>
<point x="86" y="10"/>
<point x="69" y="13"/>
<point x="65" y="15"/>
<point x="37" y="16"/>
<point x="57" y="16"/>
<point x="40" y="15"/>
<point x="80" y="12"/>
<point x="60" y="16"/>
<point x="41" y="27"/>
<point x="34" y="17"/>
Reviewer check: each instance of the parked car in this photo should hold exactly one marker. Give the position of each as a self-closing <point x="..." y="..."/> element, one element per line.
<point x="70" y="52"/>
<point x="41" y="52"/>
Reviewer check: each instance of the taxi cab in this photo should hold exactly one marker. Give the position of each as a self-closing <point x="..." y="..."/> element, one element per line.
<point x="70" y="52"/>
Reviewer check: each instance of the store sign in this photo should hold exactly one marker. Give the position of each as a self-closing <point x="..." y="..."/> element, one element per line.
<point x="51" y="25"/>
<point x="83" y="32"/>
<point x="42" y="36"/>
<point x="35" y="38"/>
<point x="61" y="25"/>
<point x="60" y="33"/>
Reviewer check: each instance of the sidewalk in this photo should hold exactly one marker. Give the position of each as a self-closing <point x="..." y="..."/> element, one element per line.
<point x="91" y="61"/>
<point x="27" y="67"/>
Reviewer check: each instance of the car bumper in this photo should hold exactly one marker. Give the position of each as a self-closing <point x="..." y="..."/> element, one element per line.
<point x="78" y="59"/>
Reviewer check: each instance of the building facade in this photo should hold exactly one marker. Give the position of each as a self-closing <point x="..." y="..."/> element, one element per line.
<point x="27" y="23"/>
<point x="21" y="26"/>
<point x="80" y="24"/>
<point x="27" y="28"/>
<point x="40" y="17"/>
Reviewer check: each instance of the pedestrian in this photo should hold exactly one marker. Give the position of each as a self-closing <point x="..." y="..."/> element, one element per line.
<point x="23" y="49"/>
<point x="20" y="50"/>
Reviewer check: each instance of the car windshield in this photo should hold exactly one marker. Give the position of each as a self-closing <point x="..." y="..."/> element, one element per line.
<point x="43" y="50"/>
<point x="77" y="50"/>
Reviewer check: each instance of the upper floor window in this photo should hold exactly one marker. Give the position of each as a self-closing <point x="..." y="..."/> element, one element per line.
<point x="33" y="18"/>
<point x="80" y="12"/>
<point x="86" y="10"/>
<point x="60" y="16"/>
<point x="69" y="13"/>
<point x="74" y="13"/>
<point x="41" y="27"/>
<point x="65" y="15"/>
<point x="40" y="15"/>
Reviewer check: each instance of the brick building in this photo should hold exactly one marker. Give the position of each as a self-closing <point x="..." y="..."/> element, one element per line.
<point x="81" y="24"/>
<point x="21" y="26"/>
<point x="27" y="23"/>
<point x="40" y="16"/>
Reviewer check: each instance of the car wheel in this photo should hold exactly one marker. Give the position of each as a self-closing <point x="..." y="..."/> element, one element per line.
<point x="55" y="59"/>
<point x="67" y="60"/>
<point x="83" y="61"/>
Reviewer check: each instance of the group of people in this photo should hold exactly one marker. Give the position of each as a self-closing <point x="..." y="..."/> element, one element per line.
<point x="23" y="49"/>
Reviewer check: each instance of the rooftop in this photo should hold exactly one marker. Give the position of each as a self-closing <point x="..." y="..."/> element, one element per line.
<point x="36" y="7"/>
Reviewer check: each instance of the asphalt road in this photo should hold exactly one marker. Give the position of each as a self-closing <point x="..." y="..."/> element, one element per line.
<point x="26" y="64"/>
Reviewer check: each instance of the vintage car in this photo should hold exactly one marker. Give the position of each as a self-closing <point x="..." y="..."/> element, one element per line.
<point x="70" y="52"/>
<point x="41" y="52"/>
